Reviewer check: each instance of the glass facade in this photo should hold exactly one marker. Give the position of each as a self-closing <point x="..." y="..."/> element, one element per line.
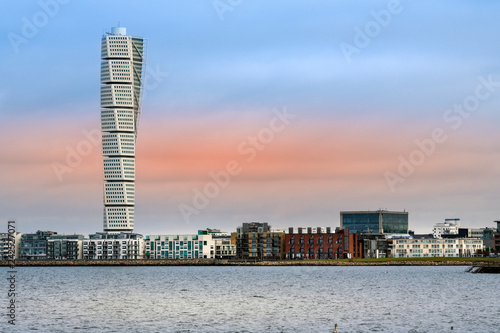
<point x="375" y="222"/>
<point x="394" y="223"/>
<point x="361" y="222"/>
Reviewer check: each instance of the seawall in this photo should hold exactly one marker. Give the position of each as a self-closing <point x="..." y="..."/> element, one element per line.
<point x="213" y="262"/>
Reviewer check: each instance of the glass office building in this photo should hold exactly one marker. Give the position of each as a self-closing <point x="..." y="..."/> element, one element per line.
<point x="380" y="221"/>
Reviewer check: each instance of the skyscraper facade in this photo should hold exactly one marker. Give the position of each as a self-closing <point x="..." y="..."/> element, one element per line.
<point x="122" y="74"/>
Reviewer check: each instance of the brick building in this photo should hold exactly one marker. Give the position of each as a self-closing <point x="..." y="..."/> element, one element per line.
<point x="340" y="244"/>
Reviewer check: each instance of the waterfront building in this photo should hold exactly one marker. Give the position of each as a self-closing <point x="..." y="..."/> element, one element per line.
<point x="65" y="247"/>
<point x="375" y="245"/>
<point x="436" y="247"/>
<point x="103" y="245"/>
<point x="187" y="246"/>
<point x="34" y="246"/>
<point x="486" y="234"/>
<point x="224" y="245"/>
<point x="256" y="241"/>
<point x="122" y="83"/>
<point x="379" y="222"/>
<point x="302" y="243"/>
<point x="450" y="226"/>
<point x="479" y="232"/>
<point x="496" y="238"/>
<point x="255" y="227"/>
<point x="5" y="245"/>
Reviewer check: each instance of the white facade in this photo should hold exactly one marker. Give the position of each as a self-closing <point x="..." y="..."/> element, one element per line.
<point x="122" y="74"/>
<point x="450" y="226"/>
<point x="179" y="246"/>
<point x="113" y="246"/>
<point x="224" y="248"/>
<point x="436" y="247"/>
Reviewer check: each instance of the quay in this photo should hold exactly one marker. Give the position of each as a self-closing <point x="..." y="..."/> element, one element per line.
<point x="485" y="267"/>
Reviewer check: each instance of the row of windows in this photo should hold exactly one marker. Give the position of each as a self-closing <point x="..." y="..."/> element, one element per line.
<point x="114" y="102"/>
<point x="120" y="117"/>
<point x="124" y="122"/>
<point x="115" y="140"/>
<point x="114" y="160"/>
<point x="120" y="127"/>
<point x="118" y="190"/>
<point x="120" y="124"/>
<point x="120" y="103"/>
<point x="120" y="185"/>
<point x="109" y="152"/>
<point x="119" y="201"/>
<point x="119" y="121"/>
<point x="116" y="110"/>
<point x="115" y="143"/>
<point x="119" y="177"/>
<point x="121" y="196"/>
<point x="119" y="54"/>
<point x="126" y="76"/>
<point x="117" y="163"/>
<point x="107" y="90"/>
<point x="106" y="126"/>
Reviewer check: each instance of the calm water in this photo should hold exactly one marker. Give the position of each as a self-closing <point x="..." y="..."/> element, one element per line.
<point x="254" y="299"/>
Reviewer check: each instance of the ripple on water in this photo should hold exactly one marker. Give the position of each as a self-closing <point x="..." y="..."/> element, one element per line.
<point x="256" y="299"/>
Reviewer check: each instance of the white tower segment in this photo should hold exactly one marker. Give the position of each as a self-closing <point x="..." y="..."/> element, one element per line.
<point x="122" y="74"/>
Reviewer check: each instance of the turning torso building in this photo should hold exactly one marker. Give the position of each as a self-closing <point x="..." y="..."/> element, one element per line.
<point x="122" y="74"/>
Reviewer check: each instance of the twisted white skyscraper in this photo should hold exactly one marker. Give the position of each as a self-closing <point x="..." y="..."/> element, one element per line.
<point x="122" y="81"/>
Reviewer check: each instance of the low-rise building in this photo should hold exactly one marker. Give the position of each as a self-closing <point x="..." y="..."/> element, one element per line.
<point x="450" y="226"/>
<point x="103" y="245"/>
<point x="436" y="247"/>
<point x="256" y="241"/>
<point x="6" y="242"/>
<point x="187" y="246"/>
<point x="65" y="247"/>
<point x="496" y="237"/>
<point x="224" y="245"/>
<point x="497" y="242"/>
<point x="375" y="246"/>
<point x="302" y="243"/>
<point x="34" y="246"/>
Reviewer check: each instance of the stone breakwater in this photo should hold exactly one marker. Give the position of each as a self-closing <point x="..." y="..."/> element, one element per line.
<point x="212" y="262"/>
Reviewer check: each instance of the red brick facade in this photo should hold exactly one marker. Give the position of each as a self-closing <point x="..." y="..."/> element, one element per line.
<point x="338" y="245"/>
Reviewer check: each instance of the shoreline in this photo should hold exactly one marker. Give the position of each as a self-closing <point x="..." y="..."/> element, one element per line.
<point x="222" y="262"/>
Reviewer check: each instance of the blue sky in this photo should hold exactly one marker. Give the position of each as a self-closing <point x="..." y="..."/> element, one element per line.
<point x="214" y="81"/>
